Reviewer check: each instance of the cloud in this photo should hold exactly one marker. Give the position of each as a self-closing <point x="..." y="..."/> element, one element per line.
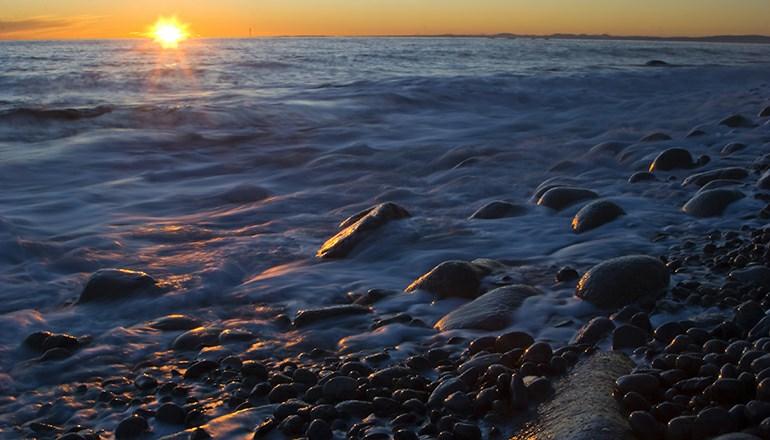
<point x="42" y="24"/>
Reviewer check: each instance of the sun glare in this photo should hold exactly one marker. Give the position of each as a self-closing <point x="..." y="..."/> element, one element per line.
<point x="169" y="32"/>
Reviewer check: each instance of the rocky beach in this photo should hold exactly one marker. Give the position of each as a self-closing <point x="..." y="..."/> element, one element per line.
<point x="451" y="255"/>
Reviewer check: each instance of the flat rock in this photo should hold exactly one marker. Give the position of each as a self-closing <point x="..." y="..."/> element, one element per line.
<point x="711" y="203"/>
<point x="622" y="281"/>
<point x="357" y="228"/>
<point x="595" y="214"/>
<point x="450" y="279"/>
<point x="729" y="173"/>
<point x="672" y="159"/>
<point x="563" y="196"/>
<point x="498" y="209"/>
<point x="490" y="311"/>
<point x="175" y="322"/>
<point x="582" y="407"/>
<point x="113" y="284"/>
<point x="311" y="316"/>
<point x="737" y="121"/>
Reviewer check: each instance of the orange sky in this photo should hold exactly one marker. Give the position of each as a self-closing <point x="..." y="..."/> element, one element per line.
<point x="41" y="19"/>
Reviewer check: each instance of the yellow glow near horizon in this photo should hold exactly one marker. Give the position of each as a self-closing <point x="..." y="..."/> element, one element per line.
<point x="169" y="32"/>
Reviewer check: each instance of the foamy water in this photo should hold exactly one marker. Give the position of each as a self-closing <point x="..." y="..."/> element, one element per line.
<point x="222" y="167"/>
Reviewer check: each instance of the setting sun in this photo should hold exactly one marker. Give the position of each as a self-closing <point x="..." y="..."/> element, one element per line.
<point x="169" y="32"/>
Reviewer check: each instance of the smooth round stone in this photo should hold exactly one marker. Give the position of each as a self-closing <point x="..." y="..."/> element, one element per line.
<point x="644" y="425"/>
<point x="360" y="227"/>
<point x="171" y="413"/>
<point x="595" y="214"/>
<point x="200" y="368"/>
<point x="197" y="338"/>
<point x="727" y="391"/>
<point x="628" y="336"/>
<point x="319" y="430"/>
<point x="656" y="137"/>
<point x="282" y="392"/>
<point x="711" y="422"/>
<point x="538" y="388"/>
<point x="145" y="382"/>
<point x="729" y="173"/>
<point x="645" y="384"/>
<point x="450" y="279"/>
<point x="594" y="331"/>
<point x="672" y="159"/>
<point x="737" y="121"/>
<point x="498" y="209"/>
<point x="732" y="147"/>
<point x="519" y="396"/>
<point x="131" y="428"/>
<point x="340" y="388"/>
<point x="758" y="275"/>
<point x="112" y="284"/>
<point x="642" y="176"/>
<point x="564" y="196"/>
<point x="512" y="340"/>
<point x="566" y="274"/>
<point x="633" y="401"/>
<point x="621" y="281"/>
<point x="539" y="352"/>
<point x="466" y="431"/>
<point x="711" y="203"/>
<point x="763" y="390"/>
<point x="680" y="428"/>
<point x="458" y="402"/>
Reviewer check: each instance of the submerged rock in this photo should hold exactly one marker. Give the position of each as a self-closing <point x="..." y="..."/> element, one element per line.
<point x="656" y="63"/>
<point x="695" y="132"/>
<point x="490" y="311"/>
<point x="563" y="196"/>
<point x="498" y="209"/>
<point x="310" y="316"/>
<point x="175" y="322"/>
<point x="582" y="407"/>
<point x="595" y="214"/>
<point x="765" y="113"/>
<point x="729" y="173"/>
<point x="656" y="137"/>
<point x="358" y="227"/>
<point x="672" y="159"/>
<point x="711" y="203"/>
<point x="622" y="281"/>
<point x="764" y="181"/>
<point x="450" y="279"/>
<point x="641" y="176"/>
<point x="732" y="147"/>
<point x="737" y="121"/>
<point x="197" y="338"/>
<point x="112" y="284"/>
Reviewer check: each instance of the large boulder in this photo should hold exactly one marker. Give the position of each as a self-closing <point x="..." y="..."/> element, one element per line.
<point x="112" y="284"/>
<point x="595" y="214"/>
<point x="711" y="203"/>
<point x="622" y="281"/>
<point x="564" y="196"/>
<point x="582" y="407"/>
<point x="450" y="279"/>
<point x="729" y="173"/>
<point x="358" y="227"/>
<point x="672" y="159"/>
<point x="491" y="311"/>
<point x="498" y="209"/>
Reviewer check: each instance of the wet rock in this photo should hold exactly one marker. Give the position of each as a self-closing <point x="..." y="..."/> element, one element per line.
<point x="566" y="274"/>
<point x="170" y="323"/>
<point x="491" y="311"/>
<point x="145" y="382"/>
<point x="628" y="336"/>
<point x="737" y="121"/>
<point x="622" y="281"/>
<point x="498" y="209"/>
<point x="131" y="428"/>
<point x="171" y="413"/>
<point x="656" y="63"/>
<point x="282" y="392"/>
<point x="758" y="275"/>
<point x="513" y="340"/>
<point x="444" y="389"/>
<point x="764" y="181"/>
<point x="359" y="227"/>
<point x="564" y="196"/>
<point x="450" y="279"/>
<point x="594" y="331"/>
<point x="729" y="173"/>
<point x="311" y="316"/>
<point x="589" y="385"/>
<point x="731" y="148"/>
<point x="641" y="176"/>
<point x="200" y="368"/>
<point x="112" y="284"/>
<point x="715" y="184"/>
<point x="355" y="408"/>
<point x="319" y="430"/>
<point x="55" y="354"/>
<point x="711" y="203"/>
<point x="672" y="159"/>
<point x="595" y="214"/>
<point x="695" y="132"/>
<point x="196" y="338"/>
<point x="748" y="314"/>
<point x="656" y="137"/>
<point x="644" y="425"/>
<point x="539" y="353"/>
<point x="340" y="388"/>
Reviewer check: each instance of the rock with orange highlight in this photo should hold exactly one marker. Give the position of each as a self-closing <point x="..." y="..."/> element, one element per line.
<point x="112" y="284"/>
<point x="595" y="214"/>
<point x="451" y="279"/>
<point x="621" y="281"/>
<point x="358" y="227"/>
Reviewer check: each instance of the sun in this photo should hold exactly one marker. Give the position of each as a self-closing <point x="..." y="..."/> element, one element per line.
<point x="169" y="32"/>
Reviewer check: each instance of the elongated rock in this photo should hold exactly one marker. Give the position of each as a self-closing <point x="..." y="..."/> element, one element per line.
<point x="113" y="284"/>
<point x="358" y="227"/>
<point x="490" y="311"/>
<point x="564" y="196"/>
<point x="582" y="407"/>
<point x="729" y="173"/>
<point x="621" y="281"/>
<point x="711" y="203"/>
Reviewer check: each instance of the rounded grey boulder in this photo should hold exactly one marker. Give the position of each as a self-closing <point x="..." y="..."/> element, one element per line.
<point x="711" y="203"/>
<point x="563" y="196"/>
<point x="672" y="159"/>
<point x="491" y="311"/>
<point x="622" y="281"/>
<point x="450" y="279"/>
<point x="112" y="284"/>
<point x="595" y="214"/>
<point x="498" y="209"/>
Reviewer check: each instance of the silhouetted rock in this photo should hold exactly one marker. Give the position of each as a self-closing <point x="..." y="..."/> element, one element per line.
<point x="595" y="214"/>
<point x="175" y="323"/>
<point x="498" y="209"/>
<point x="490" y="311"/>
<point x="450" y="279"/>
<point x="310" y="316"/>
<point x="732" y="147"/>
<point x="656" y="63"/>
<point x="672" y="159"/>
<point x="563" y="196"/>
<point x="764" y="181"/>
<point x="621" y="281"/>
<point x="737" y="121"/>
<point x="711" y="203"/>
<point x="358" y="227"/>
<point x="112" y="284"/>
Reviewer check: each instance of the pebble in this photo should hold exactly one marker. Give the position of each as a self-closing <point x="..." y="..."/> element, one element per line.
<point x="131" y="428"/>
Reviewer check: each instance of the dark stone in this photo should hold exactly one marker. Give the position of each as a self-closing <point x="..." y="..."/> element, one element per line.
<point x="196" y="338"/>
<point x="564" y="196"/>
<point x="282" y="392"/>
<point x="171" y="413"/>
<point x="757" y="275"/>
<point x="749" y="313"/>
<point x="621" y="281"/>
<point x="539" y="353"/>
<point x="566" y="274"/>
<point x="641" y="176"/>
<point x="764" y="180"/>
<point x="198" y="369"/>
<point x="680" y="428"/>
<point x="145" y="382"/>
<point x="175" y="323"/>
<point x="112" y="284"/>
<point x="359" y="227"/>
<point x="355" y="408"/>
<point x="729" y="173"/>
<point x="319" y="430"/>
<point x="498" y="209"/>
<point x="711" y="203"/>
<point x="628" y="336"/>
<point x="643" y="383"/>
<point x="132" y="427"/>
<point x="672" y="159"/>
<point x="466" y="431"/>
<point x="656" y="137"/>
<point x="595" y="214"/>
<point x="731" y="148"/>
<point x="490" y="311"/>
<point x="518" y="392"/>
<point x="312" y="316"/>
<point x="727" y="391"/>
<point x="450" y="279"/>
<point x="737" y="121"/>
<point x="594" y="331"/>
<point x="765" y="113"/>
<point x="667" y="332"/>
<point x="512" y="340"/>
<point x="656" y="63"/>
<point x="340" y="388"/>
